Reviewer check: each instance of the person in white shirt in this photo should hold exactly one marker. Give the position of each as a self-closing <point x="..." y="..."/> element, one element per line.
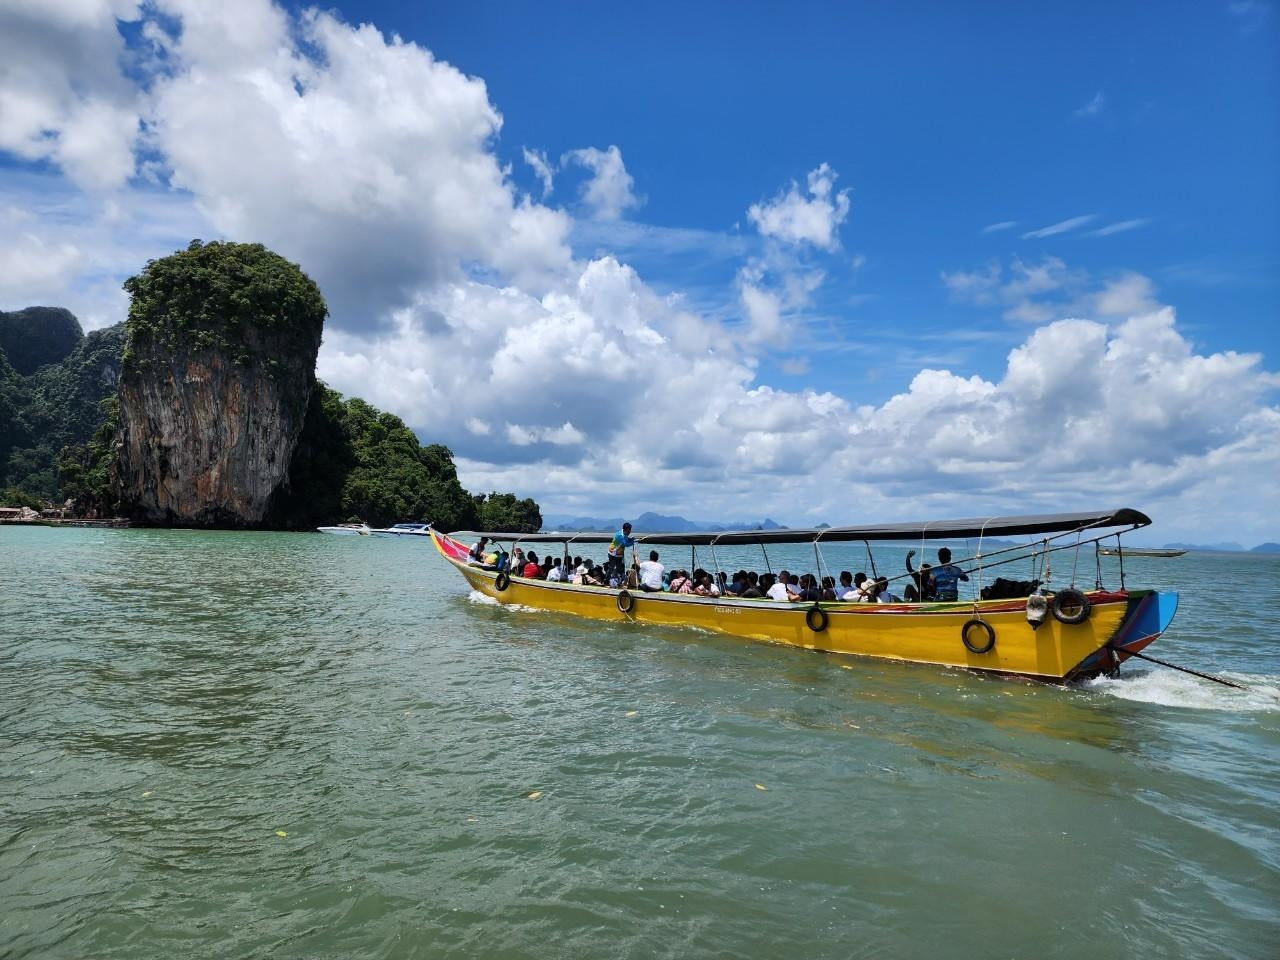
<point x="651" y="572"/>
<point x="782" y="590"/>
<point x="556" y="573"/>
<point x="846" y="590"/>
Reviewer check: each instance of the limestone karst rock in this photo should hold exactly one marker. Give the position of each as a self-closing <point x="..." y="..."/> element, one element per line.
<point x="219" y="365"/>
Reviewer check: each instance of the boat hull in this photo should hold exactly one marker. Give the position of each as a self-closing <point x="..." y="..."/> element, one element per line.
<point x="920" y="633"/>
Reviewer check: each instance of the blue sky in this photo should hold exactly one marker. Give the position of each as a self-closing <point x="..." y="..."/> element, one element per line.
<point x="942" y="118"/>
<point x="898" y="258"/>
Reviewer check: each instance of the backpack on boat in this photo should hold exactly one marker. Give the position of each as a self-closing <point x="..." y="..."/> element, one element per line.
<point x="1003" y="589"/>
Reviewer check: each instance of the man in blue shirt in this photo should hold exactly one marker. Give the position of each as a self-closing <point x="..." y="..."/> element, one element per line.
<point x="947" y="577"/>
<point x="618" y="551"/>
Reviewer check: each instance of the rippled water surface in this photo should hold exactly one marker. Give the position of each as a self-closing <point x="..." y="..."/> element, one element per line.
<point x="276" y="745"/>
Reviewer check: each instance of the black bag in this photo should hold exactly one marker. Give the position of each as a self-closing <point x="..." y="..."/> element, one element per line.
<point x="1002" y="589"/>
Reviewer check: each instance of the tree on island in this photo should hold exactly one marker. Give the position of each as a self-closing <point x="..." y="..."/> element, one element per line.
<point x="503" y="513"/>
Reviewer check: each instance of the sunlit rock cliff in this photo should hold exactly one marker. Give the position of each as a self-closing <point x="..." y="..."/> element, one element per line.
<point x="219" y="365"/>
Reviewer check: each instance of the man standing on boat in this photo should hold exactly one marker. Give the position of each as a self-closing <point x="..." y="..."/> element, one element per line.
<point x="618" y="552"/>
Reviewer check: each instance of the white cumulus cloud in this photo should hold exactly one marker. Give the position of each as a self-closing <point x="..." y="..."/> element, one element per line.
<point x="793" y="217"/>
<point x="610" y="191"/>
<point x="63" y="96"/>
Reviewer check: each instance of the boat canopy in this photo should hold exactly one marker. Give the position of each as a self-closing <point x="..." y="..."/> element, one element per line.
<point x="928" y="530"/>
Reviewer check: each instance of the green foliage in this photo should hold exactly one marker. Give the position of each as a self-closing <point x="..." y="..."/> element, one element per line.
<point x="221" y="296"/>
<point x="503" y="512"/>
<point x="14" y="497"/>
<point x="84" y="470"/>
<point x="321" y="461"/>
<point x="36" y="336"/>
<point x="354" y="461"/>
<point x="60" y="405"/>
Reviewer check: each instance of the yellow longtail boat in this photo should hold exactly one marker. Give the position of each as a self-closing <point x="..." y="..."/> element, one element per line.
<point x="1022" y="628"/>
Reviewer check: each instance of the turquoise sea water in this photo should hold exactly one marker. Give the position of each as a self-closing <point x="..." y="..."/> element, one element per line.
<point x="291" y="745"/>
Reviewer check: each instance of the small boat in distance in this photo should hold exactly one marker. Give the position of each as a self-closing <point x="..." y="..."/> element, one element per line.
<point x="421" y="530"/>
<point x="1035" y="629"/>
<point x="348" y="530"/>
<point x="1138" y="552"/>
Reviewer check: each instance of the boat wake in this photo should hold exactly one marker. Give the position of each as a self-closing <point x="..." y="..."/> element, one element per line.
<point x="1172" y="689"/>
<point x="475" y="596"/>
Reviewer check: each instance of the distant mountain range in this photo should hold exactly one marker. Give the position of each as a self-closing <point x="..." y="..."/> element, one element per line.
<point x="653" y="523"/>
<point x="1229" y="547"/>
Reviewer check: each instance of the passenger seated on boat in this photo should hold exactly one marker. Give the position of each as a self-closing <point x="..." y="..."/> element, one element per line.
<point x="477" y="551"/>
<point x="923" y="579"/>
<point x="680" y="582"/>
<point x="807" y="588"/>
<point x="556" y="573"/>
<point x="870" y="591"/>
<point x="532" y="569"/>
<point x="517" y="562"/>
<point x="755" y="590"/>
<point x="946" y="577"/>
<point x="706" y="586"/>
<point x="782" y="590"/>
<point x="846" y="586"/>
<point x="920" y="589"/>
<point x="651" y="574"/>
<point x="739" y="584"/>
<point x="596" y="577"/>
<point x="722" y="581"/>
<point x="882" y="591"/>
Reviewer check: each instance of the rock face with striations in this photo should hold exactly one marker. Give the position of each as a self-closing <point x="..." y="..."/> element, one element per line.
<point x="219" y="365"/>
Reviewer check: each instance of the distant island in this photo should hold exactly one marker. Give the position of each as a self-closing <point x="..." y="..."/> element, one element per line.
<point x="1228" y="547"/>
<point x="203" y="410"/>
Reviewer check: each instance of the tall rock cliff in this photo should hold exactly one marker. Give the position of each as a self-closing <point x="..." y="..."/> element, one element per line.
<point x="219" y="365"/>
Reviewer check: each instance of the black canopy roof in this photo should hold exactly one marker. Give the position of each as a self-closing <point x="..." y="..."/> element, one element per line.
<point x="1032" y="525"/>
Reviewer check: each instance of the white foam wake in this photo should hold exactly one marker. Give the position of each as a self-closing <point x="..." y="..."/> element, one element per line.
<point x="475" y="596"/>
<point x="1173" y="689"/>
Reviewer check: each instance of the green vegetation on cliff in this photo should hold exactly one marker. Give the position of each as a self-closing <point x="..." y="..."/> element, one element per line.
<point x="36" y="336"/>
<point x="56" y="406"/>
<point x="221" y="296"/>
<point x="354" y="461"/>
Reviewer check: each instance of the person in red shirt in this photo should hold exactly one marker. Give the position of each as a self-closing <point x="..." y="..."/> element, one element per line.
<point x="532" y="570"/>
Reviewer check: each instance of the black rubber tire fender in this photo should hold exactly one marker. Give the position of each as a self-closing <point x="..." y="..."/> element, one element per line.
<point x="815" y="619"/>
<point x="1070" y="606"/>
<point x="974" y="648"/>
<point x="625" y="601"/>
<point x="501" y="581"/>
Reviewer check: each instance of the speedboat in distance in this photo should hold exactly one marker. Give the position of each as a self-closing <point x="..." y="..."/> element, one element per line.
<point x="404" y="530"/>
<point x="348" y="530"/>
